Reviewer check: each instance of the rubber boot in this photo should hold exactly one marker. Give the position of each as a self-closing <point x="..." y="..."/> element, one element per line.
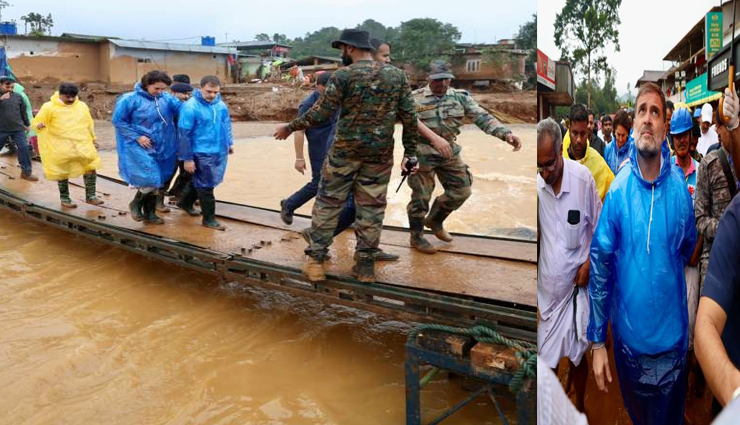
<point x="64" y="194"/>
<point x="136" y="205"/>
<point x="208" y="207"/>
<point x="90" y="198"/>
<point x="381" y="255"/>
<point x="314" y="270"/>
<point x="417" y="240"/>
<point x="434" y="221"/>
<point x="188" y="196"/>
<point x="150" y="209"/>
<point x="160" y="206"/>
<point x="364" y="268"/>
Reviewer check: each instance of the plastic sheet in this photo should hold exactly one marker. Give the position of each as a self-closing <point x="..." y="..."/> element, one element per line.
<point x="66" y="142"/>
<point x="139" y="114"/>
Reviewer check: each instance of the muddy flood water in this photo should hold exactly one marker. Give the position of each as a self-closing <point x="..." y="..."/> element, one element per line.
<point x="91" y="334"/>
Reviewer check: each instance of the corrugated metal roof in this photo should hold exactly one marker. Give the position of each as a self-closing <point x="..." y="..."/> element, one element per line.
<point x="87" y="36"/>
<point x="151" y="45"/>
<point x="254" y="44"/>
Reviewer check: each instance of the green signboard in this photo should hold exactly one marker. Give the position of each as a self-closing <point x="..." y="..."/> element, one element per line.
<point x="713" y="31"/>
<point x="697" y="92"/>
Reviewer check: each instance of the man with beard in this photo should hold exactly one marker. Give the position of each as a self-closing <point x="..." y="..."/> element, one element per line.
<point x="644" y="239"/>
<point x="568" y="211"/>
<point x="371" y="95"/>
<point x="576" y="147"/>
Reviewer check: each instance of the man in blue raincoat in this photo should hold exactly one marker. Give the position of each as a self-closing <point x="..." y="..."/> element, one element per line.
<point x="204" y="129"/>
<point x="146" y="141"/>
<point x="644" y="238"/>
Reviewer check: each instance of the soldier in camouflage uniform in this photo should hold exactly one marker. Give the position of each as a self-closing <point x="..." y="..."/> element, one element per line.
<point x="371" y="96"/>
<point x="441" y="110"/>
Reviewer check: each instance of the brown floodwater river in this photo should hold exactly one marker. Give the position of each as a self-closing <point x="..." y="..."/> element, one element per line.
<point x="91" y="334"/>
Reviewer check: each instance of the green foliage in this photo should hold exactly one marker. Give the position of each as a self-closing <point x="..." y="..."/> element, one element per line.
<point x="379" y="31"/>
<point x="582" y="30"/>
<point x="262" y="37"/>
<point x="603" y="98"/>
<point x="280" y="38"/>
<point x="40" y="24"/>
<point x="422" y="40"/>
<point x="526" y="39"/>
<point x="317" y="43"/>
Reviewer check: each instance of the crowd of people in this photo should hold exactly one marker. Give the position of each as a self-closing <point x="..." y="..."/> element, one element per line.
<point x="640" y="251"/>
<point x="165" y="125"/>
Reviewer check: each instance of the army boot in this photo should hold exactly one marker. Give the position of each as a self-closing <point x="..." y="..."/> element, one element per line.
<point x="90" y="197"/>
<point x="135" y="206"/>
<point x="314" y="270"/>
<point x="417" y="240"/>
<point x="364" y="268"/>
<point x="64" y="194"/>
<point x="434" y="221"/>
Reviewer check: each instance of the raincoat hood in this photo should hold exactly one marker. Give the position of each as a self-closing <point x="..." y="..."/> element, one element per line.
<point x="198" y="95"/>
<point x="141" y="92"/>
<point x="598" y="167"/>
<point x="58" y="101"/>
<point x="665" y="169"/>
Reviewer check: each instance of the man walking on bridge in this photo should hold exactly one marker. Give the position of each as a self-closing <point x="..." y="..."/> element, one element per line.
<point x="371" y="95"/>
<point x="14" y="123"/>
<point x="442" y="109"/>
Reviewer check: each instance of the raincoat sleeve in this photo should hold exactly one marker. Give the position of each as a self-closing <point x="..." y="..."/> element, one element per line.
<point x="323" y="109"/>
<point x="42" y="117"/>
<point x="705" y="223"/>
<point x="226" y="120"/>
<point x="174" y="105"/>
<point x="601" y="282"/>
<point x="185" y="124"/>
<point x="90" y="123"/>
<point x="122" y="120"/>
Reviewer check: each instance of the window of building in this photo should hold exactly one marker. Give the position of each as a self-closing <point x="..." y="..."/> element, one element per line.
<point x="144" y="60"/>
<point x="473" y="65"/>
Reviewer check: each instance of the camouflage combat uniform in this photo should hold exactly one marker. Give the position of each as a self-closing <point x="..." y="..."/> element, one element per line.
<point x="712" y="198"/>
<point x="371" y="96"/>
<point x="444" y="116"/>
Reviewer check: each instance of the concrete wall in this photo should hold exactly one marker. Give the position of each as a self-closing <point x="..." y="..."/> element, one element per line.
<point x="504" y="68"/>
<point x="128" y="65"/>
<point x="53" y="60"/>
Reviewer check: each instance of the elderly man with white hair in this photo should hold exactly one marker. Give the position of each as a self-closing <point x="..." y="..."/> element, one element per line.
<point x="568" y="211"/>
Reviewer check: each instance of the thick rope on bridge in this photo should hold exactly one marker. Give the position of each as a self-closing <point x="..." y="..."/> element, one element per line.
<point x="526" y="351"/>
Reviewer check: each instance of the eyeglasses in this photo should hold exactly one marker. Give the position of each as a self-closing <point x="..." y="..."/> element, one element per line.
<point x="549" y="168"/>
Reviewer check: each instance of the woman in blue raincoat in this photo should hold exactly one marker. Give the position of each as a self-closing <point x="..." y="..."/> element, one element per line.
<point x="146" y="141"/>
<point x="204" y="131"/>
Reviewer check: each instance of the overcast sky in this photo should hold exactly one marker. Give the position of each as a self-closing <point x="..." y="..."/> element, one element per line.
<point x="649" y="30"/>
<point x="477" y="20"/>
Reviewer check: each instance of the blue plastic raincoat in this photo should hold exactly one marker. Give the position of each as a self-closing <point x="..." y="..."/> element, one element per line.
<point x="614" y="157"/>
<point x="645" y="237"/>
<point x="140" y="114"/>
<point x="204" y="130"/>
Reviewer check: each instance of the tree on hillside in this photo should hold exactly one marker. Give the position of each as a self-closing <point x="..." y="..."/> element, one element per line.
<point x="317" y="43"/>
<point x="603" y="99"/>
<point x="262" y="37"/>
<point x="280" y="38"/>
<point x="582" y="30"/>
<point x="40" y="24"/>
<point x="422" y="40"/>
<point x="526" y="39"/>
<point x="379" y="31"/>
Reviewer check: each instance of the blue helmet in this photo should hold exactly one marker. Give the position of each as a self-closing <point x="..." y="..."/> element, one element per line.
<point x="681" y="121"/>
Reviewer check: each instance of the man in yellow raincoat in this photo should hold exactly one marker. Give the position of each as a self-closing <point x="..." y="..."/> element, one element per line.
<point x="576" y="147"/>
<point x="67" y="143"/>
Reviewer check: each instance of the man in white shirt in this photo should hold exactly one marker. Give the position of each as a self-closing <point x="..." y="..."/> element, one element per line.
<point x="568" y="211"/>
<point x="708" y="134"/>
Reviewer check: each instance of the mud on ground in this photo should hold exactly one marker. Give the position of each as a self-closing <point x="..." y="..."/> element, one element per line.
<point x="274" y="102"/>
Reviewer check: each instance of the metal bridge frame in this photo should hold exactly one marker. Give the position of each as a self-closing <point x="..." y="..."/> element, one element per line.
<point x="399" y="302"/>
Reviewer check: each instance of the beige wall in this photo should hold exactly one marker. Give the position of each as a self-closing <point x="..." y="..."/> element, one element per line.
<point x="53" y="61"/>
<point x="127" y="67"/>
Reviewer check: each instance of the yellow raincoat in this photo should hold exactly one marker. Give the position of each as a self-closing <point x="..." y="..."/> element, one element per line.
<point x="603" y="175"/>
<point x="66" y="143"/>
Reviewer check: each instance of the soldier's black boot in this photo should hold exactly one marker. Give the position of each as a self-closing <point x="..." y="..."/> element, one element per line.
<point x="135" y="206"/>
<point x="90" y="192"/>
<point x="364" y="268"/>
<point x="434" y="221"/>
<point x="64" y="194"/>
<point x="417" y="240"/>
<point x="208" y="207"/>
<point x="150" y="209"/>
<point x="188" y="196"/>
